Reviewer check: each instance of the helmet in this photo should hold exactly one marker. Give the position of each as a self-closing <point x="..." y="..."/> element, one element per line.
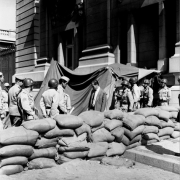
<point x="64" y="78"/>
<point x="125" y="82"/>
<point x="53" y="83"/>
<point x="133" y="80"/>
<point x="28" y="82"/>
<point x="6" y="84"/>
<point x="146" y="81"/>
<point x="164" y="81"/>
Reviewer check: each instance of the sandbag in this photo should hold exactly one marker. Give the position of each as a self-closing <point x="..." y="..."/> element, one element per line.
<point x="16" y="160"/>
<point x="41" y="163"/>
<point x="68" y="121"/>
<point x="11" y="169"/>
<point x="113" y="124"/>
<point x="150" y="136"/>
<point x="83" y="129"/>
<point x="169" y="123"/>
<point x="102" y="135"/>
<point x="92" y="118"/>
<point x="169" y="108"/>
<point x="125" y="140"/>
<point x="118" y="134"/>
<point x="165" y="131"/>
<point x="97" y="149"/>
<point x="164" y="137"/>
<point x="60" y="159"/>
<point x="46" y="143"/>
<point x="97" y="158"/>
<point x="46" y="152"/>
<point x="116" y="149"/>
<point x="177" y="127"/>
<point x="18" y="135"/>
<point x="40" y="125"/>
<point x="133" y="121"/>
<point x="57" y="132"/>
<point x="147" y="112"/>
<point x="136" y="139"/>
<point x="175" y="134"/>
<point x="114" y="114"/>
<point x="76" y="154"/>
<point x="133" y="145"/>
<point x="16" y="150"/>
<point x="150" y="129"/>
<point x="65" y="141"/>
<point x="153" y="121"/>
<point x="98" y="127"/>
<point x="77" y="146"/>
<point x="135" y="132"/>
<point x="174" y="115"/>
<point x="147" y="142"/>
<point x="165" y="115"/>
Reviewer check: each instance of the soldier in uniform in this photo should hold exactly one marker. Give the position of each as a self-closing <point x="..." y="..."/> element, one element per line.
<point x="26" y="101"/>
<point x="135" y="93"/>
<point x="63" y="81"/>
<point x="50" y="100"/>
<point x="14" y="113"/>
<point x="6" y="87"/>
<point x="146" y="94"/>
<point x="126" y="98"/>
<point x="164" y="93"/>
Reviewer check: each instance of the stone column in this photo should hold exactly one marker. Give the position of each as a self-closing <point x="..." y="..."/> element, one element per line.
<point x="131" y="40"/>
<point x="162" y="62"/>
<point x="174" y="62"/>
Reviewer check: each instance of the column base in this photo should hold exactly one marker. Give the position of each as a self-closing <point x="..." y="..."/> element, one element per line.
<point x="174" y="63"/>
<point x="162" y="64"/>
<point x="95" y="58"/>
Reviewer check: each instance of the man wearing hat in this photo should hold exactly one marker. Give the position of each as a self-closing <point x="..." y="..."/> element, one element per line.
<point x="146" y="94"/>
<point x="64" y="99"/>
<point x="14" y="113"/>
<point x="164" y="93"/>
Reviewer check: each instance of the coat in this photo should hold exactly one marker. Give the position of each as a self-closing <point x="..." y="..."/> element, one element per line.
<point x="100" y="103"/>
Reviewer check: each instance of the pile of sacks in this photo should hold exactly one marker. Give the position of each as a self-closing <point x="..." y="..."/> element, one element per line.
<point x="92" y="135"/>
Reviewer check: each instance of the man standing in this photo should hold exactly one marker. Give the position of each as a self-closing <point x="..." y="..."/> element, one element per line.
<point x="126" y="98"/>
<point x="98" y="98"/>
<point x="6" y="87"/>
<point x="14" y="113"/>
<point x="164" y="93"/>
<point x="26" y="101"/>
<point x="135" y="93"/>
<point x="63" y="106"/>
<point x="50" y="100"/>
<point x="147" y="94"/>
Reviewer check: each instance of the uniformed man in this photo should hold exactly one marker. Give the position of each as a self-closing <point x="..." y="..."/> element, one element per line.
<point x="26" y="101"/>
<point x="126" y="98"/>
<point x="14" y="113"/>
<point x="6" y="87"/>
<point x="135" y="93"/>
<point x="63" y="81"/>
<point x="164" y="93"/>
<point x="146" y="94"/>
<point x="50" y="100"/>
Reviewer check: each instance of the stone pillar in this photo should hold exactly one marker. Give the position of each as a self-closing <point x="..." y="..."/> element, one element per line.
<point x="174" y="62"/>
<point x="162" y="62"/>
<point x="131" y="40"/>
<point x="60" y="50"/>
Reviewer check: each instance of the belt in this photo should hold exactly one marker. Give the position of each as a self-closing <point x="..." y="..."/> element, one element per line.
<point x="48" y="107"/>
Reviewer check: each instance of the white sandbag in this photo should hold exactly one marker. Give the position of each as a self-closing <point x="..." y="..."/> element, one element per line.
<point x="147" y="142"/>
<point x="147" y="112"/>
<point x="16" y="150"/>
<point x="169" y="123"/>
<point x="16" y="160"/>
<point x="165" y="115"/>
<point x="150" y="129"/>
<point x="150" y="136"/>
<point x="11" y="169"/>
<point x="136" y="139"/>
<point x="118" y="134"/>
<point x="165" y="131"/>
<point x="116" y="149"/>
<point x="125" y="140"/>
<point x="18" y="135"/>
<point x="174" y="115"/>
<point x="113" y="124"/>
<point x="177" y="126"/>
<point x="164" y="137"/>
<point x="153" y="121"/>
<point x="114" y="114"/>
<point x="175" y="134"/>
<point x="133" y="145"/>
<point x="169" y="108"/>
<point x="40" y="125"/>
<point x="46" y="143"/>
<point x="92" y="118"/>
<point x="76" y="154"/>
<point x="68" y="121"/>
<point x="85" y="128"/>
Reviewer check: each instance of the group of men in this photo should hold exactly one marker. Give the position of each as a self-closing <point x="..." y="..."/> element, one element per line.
<point x="18" y="101"/>
<point x="132" y="96"/>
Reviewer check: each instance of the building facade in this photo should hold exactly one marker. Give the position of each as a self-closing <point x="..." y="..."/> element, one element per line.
<point x="85" y="35"/>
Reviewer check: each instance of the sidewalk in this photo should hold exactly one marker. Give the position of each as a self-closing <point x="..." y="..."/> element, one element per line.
<point x="164" y="155"/>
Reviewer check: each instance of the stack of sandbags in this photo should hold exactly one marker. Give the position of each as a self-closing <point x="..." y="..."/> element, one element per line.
<point x="133" y="128"/>
<point x="44" y="150"/>
<point x="176" y="132"/>
<point x="17" y="146"/>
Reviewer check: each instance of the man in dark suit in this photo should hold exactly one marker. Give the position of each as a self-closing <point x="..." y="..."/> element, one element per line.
<point x="98" y="98"/>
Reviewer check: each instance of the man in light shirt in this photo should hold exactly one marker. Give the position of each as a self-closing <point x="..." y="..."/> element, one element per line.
<point x="98" y="98"/>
